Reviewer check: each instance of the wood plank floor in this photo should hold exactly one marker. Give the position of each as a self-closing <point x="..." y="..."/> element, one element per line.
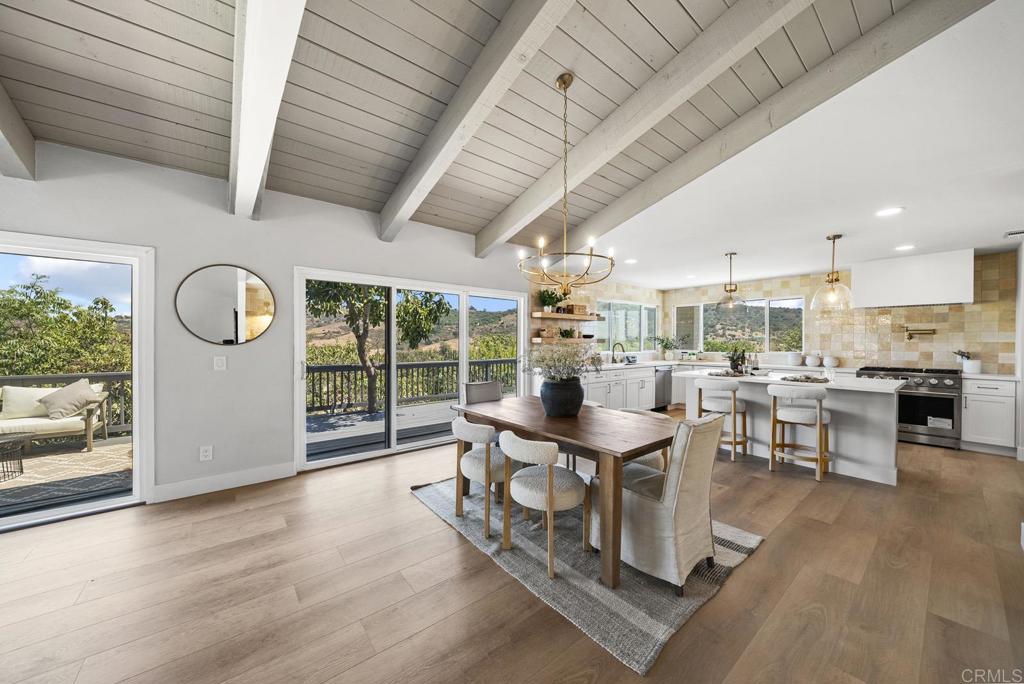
<point x="340" y="575"/>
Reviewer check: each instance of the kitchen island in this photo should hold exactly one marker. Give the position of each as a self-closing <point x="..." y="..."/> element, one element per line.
<point x="863" y="429"/>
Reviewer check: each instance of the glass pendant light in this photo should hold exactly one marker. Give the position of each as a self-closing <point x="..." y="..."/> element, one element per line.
<point x="729" y="300"/>
<point x="562" y="269"/>
<point x="833" y="295"/>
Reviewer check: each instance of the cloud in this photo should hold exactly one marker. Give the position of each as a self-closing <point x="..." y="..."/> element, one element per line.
<point x="83" y="281"/>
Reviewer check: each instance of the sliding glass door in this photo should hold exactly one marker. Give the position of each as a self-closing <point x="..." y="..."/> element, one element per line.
<point x="382" y="361"/>
<point x="346" y="374"/>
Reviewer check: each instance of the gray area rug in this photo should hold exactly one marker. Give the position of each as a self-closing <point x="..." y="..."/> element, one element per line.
<point x="632" y="622"/>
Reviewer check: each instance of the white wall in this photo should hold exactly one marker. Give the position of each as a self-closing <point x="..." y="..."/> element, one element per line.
<point x="244" y="412"/>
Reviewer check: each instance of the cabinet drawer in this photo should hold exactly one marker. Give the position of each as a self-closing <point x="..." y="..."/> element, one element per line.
<point x="1000" y="388"/>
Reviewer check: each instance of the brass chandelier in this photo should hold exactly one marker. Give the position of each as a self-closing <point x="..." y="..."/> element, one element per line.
<point x="565" y="270"/>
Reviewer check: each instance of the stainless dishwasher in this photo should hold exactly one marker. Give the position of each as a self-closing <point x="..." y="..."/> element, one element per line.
<point x="663" y="386"/>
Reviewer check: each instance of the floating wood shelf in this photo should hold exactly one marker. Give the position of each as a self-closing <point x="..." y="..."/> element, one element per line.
<point x="567" y="317"/>
<point x="552" y="340"/>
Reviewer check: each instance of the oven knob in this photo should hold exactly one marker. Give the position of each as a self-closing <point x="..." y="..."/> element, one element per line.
<point x="933" y="381"/>
<point x="948" y="383"/>
<point x="918" y="381"/>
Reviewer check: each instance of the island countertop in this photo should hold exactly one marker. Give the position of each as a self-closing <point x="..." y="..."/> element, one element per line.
<point x="841" y="382"/>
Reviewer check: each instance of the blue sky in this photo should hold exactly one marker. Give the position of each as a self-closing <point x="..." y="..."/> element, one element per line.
<point x="79" y="281"/>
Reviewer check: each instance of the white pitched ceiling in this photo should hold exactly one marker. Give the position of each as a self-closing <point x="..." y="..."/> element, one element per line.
<point x="937" y="131"/>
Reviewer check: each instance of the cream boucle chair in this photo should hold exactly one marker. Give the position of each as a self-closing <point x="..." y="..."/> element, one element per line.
<point x="795" y="414"/>
<point x="719" y="396"/>
<point x="666" y="516"/>
<point x="544" y="486"/>
<point x="485" y="464"/>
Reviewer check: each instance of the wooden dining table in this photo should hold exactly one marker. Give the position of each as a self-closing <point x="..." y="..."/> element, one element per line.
<point x="608" y="437"/>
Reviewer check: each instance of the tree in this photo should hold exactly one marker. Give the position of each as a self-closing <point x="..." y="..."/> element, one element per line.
<point x="365" y="307"/>
<point x="44" y="333"/>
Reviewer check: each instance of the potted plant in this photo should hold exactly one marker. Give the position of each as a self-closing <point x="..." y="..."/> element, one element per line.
<point x="668" y="345"/>
<point x="566" y="333"/>
<point x="549" y="299"/>
<point x="737" y="357"/>
<point x="561" y="365"/>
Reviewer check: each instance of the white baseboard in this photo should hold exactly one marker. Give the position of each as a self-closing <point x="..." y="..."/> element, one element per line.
<point x="991" y="449"/>
<point x="215" y="483"/>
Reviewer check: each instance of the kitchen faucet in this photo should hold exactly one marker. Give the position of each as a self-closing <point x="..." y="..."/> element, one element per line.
<point x="619" y="345"/>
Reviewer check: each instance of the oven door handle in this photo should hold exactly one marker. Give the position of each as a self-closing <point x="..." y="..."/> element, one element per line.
<point x="929" y="394"/>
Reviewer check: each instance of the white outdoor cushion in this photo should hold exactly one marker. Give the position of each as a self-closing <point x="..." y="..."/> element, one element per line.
<point x="803" y="415"/>
<point x="723" y="405"/>
<point x="42" y="426"/>
<point x="529" y="487"/>
<point x="473" y="464"/>
<point x="23" y="402"/>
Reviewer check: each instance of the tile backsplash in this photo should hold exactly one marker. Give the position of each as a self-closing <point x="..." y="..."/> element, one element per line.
<point x="861" y="337"/>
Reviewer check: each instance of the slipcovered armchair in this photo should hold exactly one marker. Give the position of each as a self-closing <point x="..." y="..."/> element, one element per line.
<point x="666" y="516"/>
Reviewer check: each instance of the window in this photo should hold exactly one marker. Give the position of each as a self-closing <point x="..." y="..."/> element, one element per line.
<point x="688" y="327"/>
<point x="633" y="325"/>
<point x="747" y="326"/>
<point x="741" y="327"/>
<point x="786" y="325"/>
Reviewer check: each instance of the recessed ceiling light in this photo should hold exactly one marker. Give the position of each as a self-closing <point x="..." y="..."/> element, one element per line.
<point x="904" y="248"/>
<point x="889" y="211"/>
<point x="630" y="261"/>
<point x="691" y="276"/>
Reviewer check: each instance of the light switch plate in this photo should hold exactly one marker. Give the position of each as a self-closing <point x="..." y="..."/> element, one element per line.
<point x="220" y="363"/>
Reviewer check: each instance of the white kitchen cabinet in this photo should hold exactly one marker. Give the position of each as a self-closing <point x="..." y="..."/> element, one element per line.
<point x="609" y="394"/>
<point x="989" y="419"/>
<point x="640" y="393"/>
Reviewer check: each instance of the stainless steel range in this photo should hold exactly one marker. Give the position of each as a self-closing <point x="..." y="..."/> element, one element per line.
<point x="929" y="404"/>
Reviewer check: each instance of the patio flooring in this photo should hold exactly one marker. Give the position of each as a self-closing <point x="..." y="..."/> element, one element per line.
<point x="56" y="475"/>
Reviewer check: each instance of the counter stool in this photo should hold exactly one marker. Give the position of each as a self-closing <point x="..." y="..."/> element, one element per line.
<point x="719" y="396"/>
<point x="797" y="414"/>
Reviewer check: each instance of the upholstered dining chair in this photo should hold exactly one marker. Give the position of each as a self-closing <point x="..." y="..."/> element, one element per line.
<point x="484" y="464"/>
<point x="656" y="459"/>
<point x="544" y="485"/>
<point x="666" y="516"/>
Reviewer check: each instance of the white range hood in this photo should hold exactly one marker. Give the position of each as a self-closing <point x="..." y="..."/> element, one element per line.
<point x="941" y="278"/>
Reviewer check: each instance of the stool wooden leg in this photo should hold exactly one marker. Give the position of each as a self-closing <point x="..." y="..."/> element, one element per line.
<point x="746" y="439"/>
<point x="526" y="513"/>
<point x="460" y="448"/>
<point x="700" y="402"/>
<point x="733" y="435"/>
<point x="819" y="449"/>
<point x="487" y="491"/>
<point x="774" y="441"/>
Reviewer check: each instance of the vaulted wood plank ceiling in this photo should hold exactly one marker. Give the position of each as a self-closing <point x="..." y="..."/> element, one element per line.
<point x="370" y="79"/>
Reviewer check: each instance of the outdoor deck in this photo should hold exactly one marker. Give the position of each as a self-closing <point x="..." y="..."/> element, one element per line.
<point x="57" y="475"/>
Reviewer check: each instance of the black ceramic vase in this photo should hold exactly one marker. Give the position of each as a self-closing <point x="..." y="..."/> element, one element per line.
<point x="561" y="398"/>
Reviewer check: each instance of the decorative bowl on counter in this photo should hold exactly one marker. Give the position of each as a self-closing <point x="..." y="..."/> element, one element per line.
<point x="830" y="362"/>
<point x="812" y="360"/>
<point x="795" y="358"/>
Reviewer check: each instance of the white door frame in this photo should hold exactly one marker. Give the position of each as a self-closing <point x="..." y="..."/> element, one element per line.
<point x="141" y="259"/>
<point x="464" y="292"/>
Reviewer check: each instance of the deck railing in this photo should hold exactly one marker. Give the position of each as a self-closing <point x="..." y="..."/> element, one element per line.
<point x="342" y="388"/>
<point x="118" y="385"/>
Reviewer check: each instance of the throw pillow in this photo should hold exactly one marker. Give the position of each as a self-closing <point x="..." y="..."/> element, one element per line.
<point x="23" y="402"/>
<point x="69" y="400"/>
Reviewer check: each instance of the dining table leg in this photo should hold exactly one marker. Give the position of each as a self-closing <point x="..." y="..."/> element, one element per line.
<point x="506" y="508"/>
<point x="611" y="518"/>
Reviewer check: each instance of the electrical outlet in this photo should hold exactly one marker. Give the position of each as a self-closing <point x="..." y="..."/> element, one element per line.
<point x="220" y="363"/>
<point x="206" y="453"/>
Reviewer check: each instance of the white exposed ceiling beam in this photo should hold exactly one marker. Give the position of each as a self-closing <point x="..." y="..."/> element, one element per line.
<point x="888" y="41"/>
<point x="265" y="35"/>
<point x="522" y="31"/>
<point x="17" y="145"/>
<point x="739" y="30"/>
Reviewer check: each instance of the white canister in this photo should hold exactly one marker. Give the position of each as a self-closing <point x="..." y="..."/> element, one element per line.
<point x="830" y="362"/>
<point x="812" y="360"/>
<point x="972" y="365"/>
<point x="795" y="358"/>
